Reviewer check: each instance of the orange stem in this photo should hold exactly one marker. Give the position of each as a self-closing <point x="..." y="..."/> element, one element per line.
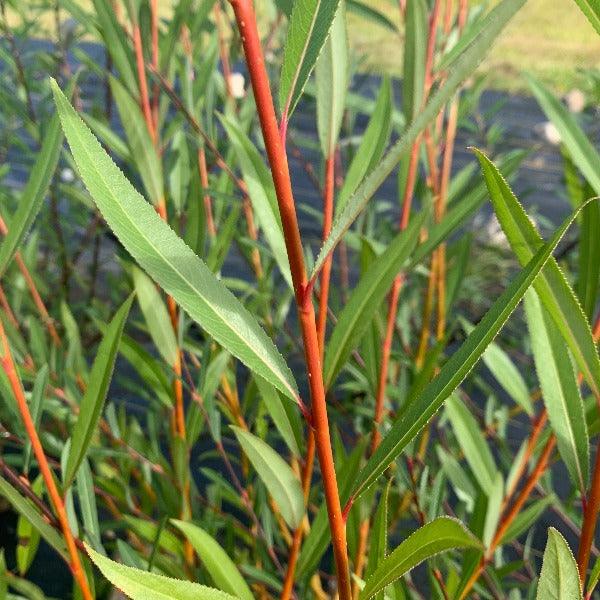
<point x="57" y="501"/>
<point x="246" y="22"/>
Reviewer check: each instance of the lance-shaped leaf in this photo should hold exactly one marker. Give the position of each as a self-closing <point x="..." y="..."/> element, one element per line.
<point x="418" y="413"/>
<point x="366" y="298"/>
<point x="331" y="76"/>
<point x="34" y="192"/>
<point x="95" y="393"/>
<point x="560" y="390"/>
<point x="553" y="289"/>
<point x="142" y="585"/>
<point x="156" y="316"/>
<point x="415" y="50"/>
<point x="372" y="144"/>
<point x="588" y="282"/>
<point x="591" y="9"/>
<point x="440" y="535"/>
<point x="168" y="260"/>
<point x="559" y="578"/>
<point x="308" y="29"/>
<point x="261" y="191"/>
<point x="220" y="567"/>
<point x="282" y="415"/>
<point x="463" y="67"/>
<point x="581" y="149"/>
<point x="276" y="474"/>
<point x="472" y="443"/>
<point x="27" y="510"/>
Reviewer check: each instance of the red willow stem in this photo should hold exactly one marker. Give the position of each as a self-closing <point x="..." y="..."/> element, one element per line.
<point x="143" y="83"/>
<point x="592" y="504"/>
<point x="246" y="22"/>
<point x="288" y="583"/>
<point x="9" y="368"/>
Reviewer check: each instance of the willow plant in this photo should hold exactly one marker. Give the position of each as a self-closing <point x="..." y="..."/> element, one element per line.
<point x="268" y="413"/>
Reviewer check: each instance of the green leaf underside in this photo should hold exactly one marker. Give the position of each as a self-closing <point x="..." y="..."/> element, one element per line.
<point x="559" y="579"/>
<point x="276" y="474"/>
<point x="308" y="29"/>
<point x="168" y="260"/>
<point x="220" y="567"/>
<point x="560" y="390"/>
<point x="437" y="536"/>
<point x="32" y="197"/>
<point x="552" y="287"/>
<point x="456" y="369"/>
<point x="464" y="66"/>
<point x="27" y="510"/>
<point x="366" y="298"/>
<point x="92" y="402"/>
<point x="142" y="585"/>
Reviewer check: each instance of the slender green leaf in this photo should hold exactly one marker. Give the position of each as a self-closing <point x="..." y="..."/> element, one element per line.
<point x="32" y="197"/>
<point x="309" y="27"/>
<point x="527" y="518"/>
<point x="591" y="9"/>
<point x="279" y="414"/>
<point x="220" y="567"/>
<point x="366" y="298"/>
<point x="455" y="370"/>
<point x="472" y="443"/>
<point x="588" y="282"/>
<point x="464" y="66"/>
<point x="559" y="579"/>
<point x="261" y="191"/>
<point x="92" y="402"/>
<point x="594" y="577"/>
<point x="36" y="406"/>
<point x="415" y="50"/>
<point x="560" y="390"/>
<point x="440" y="535"/>
<point x="552" y="287"/>
<point x="276" y="474"/>
<point x="141" y="585"/>
<point x="25" y="508"/>
<point x="179" y="173"/>
<point x="156" y="316"/>
<point x="166" y="258"/>
<point x="371" y="14"/>
<point x="28" y="536"/>
<point x="372" y="144"/>
<point x="331" y="77"/>
<point x="581" y="149"/>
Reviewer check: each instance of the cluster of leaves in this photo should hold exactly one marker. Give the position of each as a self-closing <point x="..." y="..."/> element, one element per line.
<point x="153" y="278"/>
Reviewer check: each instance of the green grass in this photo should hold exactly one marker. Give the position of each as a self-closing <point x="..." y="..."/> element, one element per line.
<point x="550" y="38"/>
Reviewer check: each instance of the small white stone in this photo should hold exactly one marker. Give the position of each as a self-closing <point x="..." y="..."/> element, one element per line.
<point x="575" y="100"/>
<point x="551" y="133"/>
<point x="237" y="84"/>
<point x="67" y="175"/>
